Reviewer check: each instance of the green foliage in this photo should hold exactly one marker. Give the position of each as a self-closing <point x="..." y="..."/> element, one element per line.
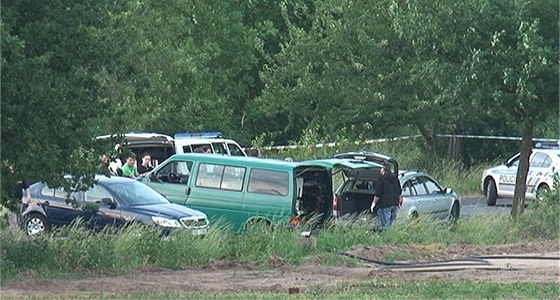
<point x="543" y="220"/>
<point x="75" y="251"/>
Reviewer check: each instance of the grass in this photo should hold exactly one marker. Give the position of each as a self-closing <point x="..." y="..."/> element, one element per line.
<point x="373" y="289"/>
<point x="73" y="250"/>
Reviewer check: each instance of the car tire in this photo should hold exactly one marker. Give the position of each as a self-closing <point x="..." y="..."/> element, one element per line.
<point x="35" y="224"/>
<point x="455" y="212"/>
<point x="258" y="224"/>
<point x="541" y="189"/>
<point x="491" y="193"/>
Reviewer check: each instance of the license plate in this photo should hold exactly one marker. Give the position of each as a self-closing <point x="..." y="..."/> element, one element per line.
<point x="199" y="231"/>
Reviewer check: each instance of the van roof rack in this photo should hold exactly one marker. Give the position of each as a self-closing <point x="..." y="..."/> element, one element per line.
<point x="209" y="134"/>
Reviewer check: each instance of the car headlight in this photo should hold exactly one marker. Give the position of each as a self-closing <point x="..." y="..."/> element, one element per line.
<point x="165" y="222"/>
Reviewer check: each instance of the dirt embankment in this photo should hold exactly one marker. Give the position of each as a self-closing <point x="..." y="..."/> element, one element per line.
<point x="224" y="276"/>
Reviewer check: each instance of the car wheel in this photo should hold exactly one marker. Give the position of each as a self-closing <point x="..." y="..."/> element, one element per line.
<point x="455" y="211"/>
<point x="542" y="189"/>
<point x="491" y="193"/>
<point x="35" y="224"/>
<point x="258" y="224"/>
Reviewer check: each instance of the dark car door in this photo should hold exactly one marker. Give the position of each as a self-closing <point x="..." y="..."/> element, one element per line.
<point x="98" y="214"/>
<point x="58" y="210"/>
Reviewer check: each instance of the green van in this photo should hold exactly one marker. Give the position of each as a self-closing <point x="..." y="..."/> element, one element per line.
<point x="239" y="190"/>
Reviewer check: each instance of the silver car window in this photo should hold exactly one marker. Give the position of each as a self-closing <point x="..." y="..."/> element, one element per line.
<point x="407" y="189"/>
<point x="431" y="186"/>
<point x="418" y="186"/>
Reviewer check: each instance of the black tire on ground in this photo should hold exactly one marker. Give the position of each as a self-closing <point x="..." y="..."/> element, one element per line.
<point x="541" y="189"/>
<point x="491" y="193"/>
<point x="35" y="224"/>
<point x="258" y="224"/>
<point x="455" y="211"/>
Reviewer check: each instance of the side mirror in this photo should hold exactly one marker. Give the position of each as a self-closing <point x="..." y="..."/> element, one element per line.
<point x="448" y="191"/>
<point x="109" y="202"/>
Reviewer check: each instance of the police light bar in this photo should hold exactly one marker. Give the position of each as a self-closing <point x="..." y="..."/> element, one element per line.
<point x="210" y="134"/>
<point x="547" y="145"/>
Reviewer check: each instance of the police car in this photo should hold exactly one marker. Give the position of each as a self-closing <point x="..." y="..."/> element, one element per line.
<point x="161" y="146"/>
<point x="544" y="166"/>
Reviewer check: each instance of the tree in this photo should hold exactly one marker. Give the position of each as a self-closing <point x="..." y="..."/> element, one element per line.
<point x="50" y="56"/>
<point x="516" y="71"/>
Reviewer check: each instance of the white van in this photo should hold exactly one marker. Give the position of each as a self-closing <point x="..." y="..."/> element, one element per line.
<point x="161" y="146"/>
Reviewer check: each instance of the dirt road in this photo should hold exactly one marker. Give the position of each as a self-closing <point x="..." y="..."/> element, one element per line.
<point x="221" y="276"/>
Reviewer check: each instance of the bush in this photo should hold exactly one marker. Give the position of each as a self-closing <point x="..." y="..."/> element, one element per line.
<point x="543" y="220"/>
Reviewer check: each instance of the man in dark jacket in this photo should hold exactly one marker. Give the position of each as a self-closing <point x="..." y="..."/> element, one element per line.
<point x="387" y="197"/>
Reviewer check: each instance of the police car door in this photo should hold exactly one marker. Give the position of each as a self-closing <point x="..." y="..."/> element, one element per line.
<point x="536" y="171"/>
<point x="507" y="177"/>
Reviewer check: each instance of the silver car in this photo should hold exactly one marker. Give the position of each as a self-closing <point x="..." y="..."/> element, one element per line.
<point x="422" y="194"/>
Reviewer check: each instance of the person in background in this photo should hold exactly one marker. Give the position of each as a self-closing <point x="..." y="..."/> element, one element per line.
<point x="115" y="167"/>
<point x="206" y="150"/>
<point x="387" y="198"/>
<point x="198" y="150"/>
<point x="129" y="168"/>
<point x="21" y="189"/>
<point x="146" y="165"/>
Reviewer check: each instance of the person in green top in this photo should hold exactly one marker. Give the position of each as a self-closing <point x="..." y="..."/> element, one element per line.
<point x="129" y="168"/>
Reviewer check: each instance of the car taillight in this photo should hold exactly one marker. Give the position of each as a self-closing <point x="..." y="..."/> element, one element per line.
<point x="335" y="206"/>
<point x="294" y="221"/>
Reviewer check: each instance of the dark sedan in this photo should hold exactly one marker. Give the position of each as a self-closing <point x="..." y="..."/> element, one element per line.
<point x="112" y="201"/>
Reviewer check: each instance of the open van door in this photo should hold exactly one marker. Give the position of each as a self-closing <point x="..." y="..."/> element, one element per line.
<point x="159" y="146"/>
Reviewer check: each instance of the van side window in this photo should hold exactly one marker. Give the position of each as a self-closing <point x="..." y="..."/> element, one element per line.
<point x="220" y="177"/>
<point x="233" y="178"/>
<point x="175" y="172"/>
<point x="235" y="150"/>
<point x="268" y="182"/>
<point x="219" y="148"/>
<point x="209" y="176"/>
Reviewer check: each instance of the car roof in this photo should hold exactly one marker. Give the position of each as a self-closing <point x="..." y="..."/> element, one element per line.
<point x="134" y="136"/>
<point x="271" y="162"/>
<point x="547" y="151"/>
<point x="197" y="140"/>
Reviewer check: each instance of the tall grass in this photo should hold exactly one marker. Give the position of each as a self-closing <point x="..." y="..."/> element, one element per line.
<point x="73" y="250"/>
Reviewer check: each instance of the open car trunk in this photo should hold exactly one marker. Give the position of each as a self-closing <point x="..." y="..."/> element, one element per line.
<point x="314" y="203"/>
<point x="355" y="197"/>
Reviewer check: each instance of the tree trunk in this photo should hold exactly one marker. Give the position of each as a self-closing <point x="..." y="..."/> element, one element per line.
<point x="454" y="147"/>
<point x="428" y="136"/>
<point x="522" y="170"/>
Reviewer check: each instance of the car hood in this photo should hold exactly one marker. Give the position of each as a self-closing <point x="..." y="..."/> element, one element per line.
<point x="169" y="210"/>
